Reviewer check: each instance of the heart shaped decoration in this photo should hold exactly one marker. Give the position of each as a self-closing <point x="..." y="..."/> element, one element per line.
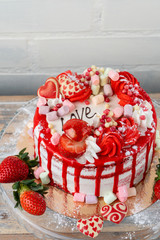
<point x="72" y="88"/>
<point x="50" y="89"/>
<point x="115" y="213"/>
<point x="90" y="227"/>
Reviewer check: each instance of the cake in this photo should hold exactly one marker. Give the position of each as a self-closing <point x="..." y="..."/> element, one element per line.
<point x="94" y="132"/>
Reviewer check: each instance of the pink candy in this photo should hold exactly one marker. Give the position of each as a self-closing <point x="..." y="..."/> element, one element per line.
<point x="79" y="197"/>
<point x="118" y="112"/>
<point x="38" y="171"/>
<point x="132" y="192"/>
<point x="98" y="99"/>
<point x="108" y="90"/>
<point x="128" y="110"/>
<point x="64" y="110"/>
<point x="95" y="80"/>
<point x="52" y="116"/>
<point x="55" y="138"/>
<point x="91" y="199"/>
<point x="30" y="132"/>
<point x="69" y="104"/>
<point x="113" y="75"/>
<point x="122" y="193"/>
<point x="43" y="110"/>
<point x="41" y="102"/>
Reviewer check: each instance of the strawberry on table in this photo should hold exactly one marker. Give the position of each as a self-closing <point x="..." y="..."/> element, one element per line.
<point x="17" y="168"/>
<point x="30" y="196"/>
<point x="157" y="181"/>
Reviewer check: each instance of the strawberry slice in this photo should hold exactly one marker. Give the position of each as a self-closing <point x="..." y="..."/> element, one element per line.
<point x="70" y="148"/>
<point x="77" y="129"/>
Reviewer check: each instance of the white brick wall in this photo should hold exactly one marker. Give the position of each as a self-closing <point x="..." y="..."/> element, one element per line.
<point x="41" y="38"/>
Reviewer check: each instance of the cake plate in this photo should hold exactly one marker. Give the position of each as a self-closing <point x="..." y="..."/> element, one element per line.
<point x="52" y="225"/>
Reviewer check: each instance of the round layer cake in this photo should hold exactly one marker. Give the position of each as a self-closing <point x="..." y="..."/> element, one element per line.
<point x="94" y="132"/>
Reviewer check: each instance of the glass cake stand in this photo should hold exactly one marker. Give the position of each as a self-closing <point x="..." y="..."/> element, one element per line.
<point x="52" y="225"/>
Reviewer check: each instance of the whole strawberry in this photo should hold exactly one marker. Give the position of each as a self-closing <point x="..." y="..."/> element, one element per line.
<point x="156" y="187"/>
<point x="16" y="168"/>
<point x="30" y="196"/>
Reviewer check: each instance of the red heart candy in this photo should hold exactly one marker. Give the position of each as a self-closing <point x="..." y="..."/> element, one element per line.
<point x="94" y="229"/>
<point x="92" y="224"/>
<point x="91" y="235"/>
<point x="84" y="222"/>
<point x="85" y="227"/>
<point x="115" y="213"/>
<point x="50" y="89"/>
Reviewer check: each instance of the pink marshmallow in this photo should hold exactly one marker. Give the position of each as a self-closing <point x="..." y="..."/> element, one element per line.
<point x="113" y="75"/>
<point x="79" y="197"/>
<point x="41" y="101"/>
<point x="128" y="110"/>
<point x="30" y="132"/>
<point x="55" y="138"/>
<point x="52" y="116"/>
<point x="108" y="90"/>
<point x="98" y="99"/>
<point x="91" y="199"/>
<point x="95" y="80"/>
<point x="43" y="110"/>
<point x="69" y="104"/>
<point x="38" y="171"/>
<point x="118" y="112"/>
<point x="64" y="110"/>
<point x="132" y="192"/>
<point x="122" y="193"/>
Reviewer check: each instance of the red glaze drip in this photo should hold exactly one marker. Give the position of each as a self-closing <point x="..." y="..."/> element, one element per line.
<point x="118" y="171"/>
<point x="147" y="158"/>
<point x="49" y="166"/>
<point x="39" y="144"/>
<point x="133" y="169"/>
<point x="77" y="173"/>
<point x="64" y="176"/>
<point x="98" y="180"/>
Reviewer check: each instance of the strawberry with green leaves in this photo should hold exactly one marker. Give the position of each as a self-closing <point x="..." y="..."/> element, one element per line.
<point x="157" y="181"/>
<point x="17" y="168"/>
<point x="30" y="196"/>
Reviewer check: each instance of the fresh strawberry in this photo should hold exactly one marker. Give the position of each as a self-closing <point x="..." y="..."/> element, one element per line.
<point x="77" y="129"/>
<point x="157" y="181"/>
<point x="16" y="168"/>
<point x="30" y="196"/>
<point x="70" y="148"/>
<point x="157" y="189"/>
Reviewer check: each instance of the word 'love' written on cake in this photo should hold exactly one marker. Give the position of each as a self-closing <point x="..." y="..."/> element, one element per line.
<point x="82" y="114"/>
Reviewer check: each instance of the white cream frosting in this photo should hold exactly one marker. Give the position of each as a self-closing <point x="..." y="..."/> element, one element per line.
<point x="139" y="111"/>
<point x="157" y="140"/>
<point x="91" y="151"/>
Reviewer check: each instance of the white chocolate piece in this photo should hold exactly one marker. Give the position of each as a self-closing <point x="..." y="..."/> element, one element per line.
<point x="44" y="178"/>
<point x="95" y="89"/>
<point x="98" y="99"/>
<point x="53" y="102"/>
<point x="104" y="79"/>
<point x="109" y="197"/>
